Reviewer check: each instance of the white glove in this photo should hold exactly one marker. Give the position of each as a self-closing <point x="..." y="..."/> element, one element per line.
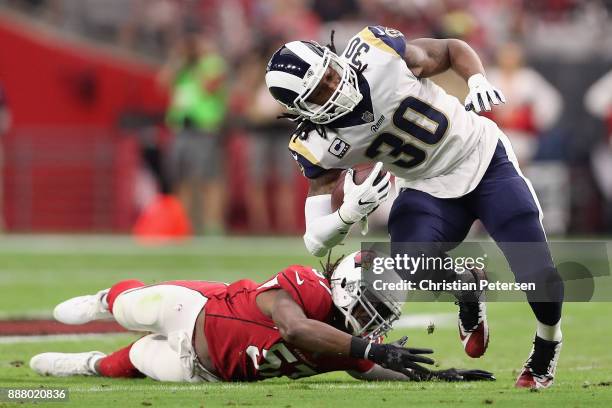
<point x="361" y="199"/>
<point x="481" y="94"/>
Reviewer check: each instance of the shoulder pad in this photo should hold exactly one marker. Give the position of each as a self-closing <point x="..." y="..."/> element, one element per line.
<point x="308" y="163"/>
<point x="387" y="39"/>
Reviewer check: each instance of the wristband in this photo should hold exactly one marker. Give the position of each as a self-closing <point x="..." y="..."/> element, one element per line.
<point x="360" y="347"/>
<point x="363" y="349"/>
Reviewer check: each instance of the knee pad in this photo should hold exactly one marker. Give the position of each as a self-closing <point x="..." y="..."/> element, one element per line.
<point x="137" y="308"/>
<point x="153" y="356"/>
<point x="163" y="308"/>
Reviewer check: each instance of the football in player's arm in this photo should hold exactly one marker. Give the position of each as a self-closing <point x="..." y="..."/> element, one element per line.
<point x="295" y="324"/>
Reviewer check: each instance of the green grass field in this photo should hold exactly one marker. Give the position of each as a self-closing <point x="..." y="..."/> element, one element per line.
<point x="38" y="272"/>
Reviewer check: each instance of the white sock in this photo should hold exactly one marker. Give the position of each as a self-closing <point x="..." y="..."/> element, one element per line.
<point x="103" y="301"/>
<point x="91" y="363"/>
<point x="550" y="333"/>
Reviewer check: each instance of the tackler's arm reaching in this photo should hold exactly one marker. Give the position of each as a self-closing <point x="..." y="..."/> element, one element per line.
<point x="319" y="337"/>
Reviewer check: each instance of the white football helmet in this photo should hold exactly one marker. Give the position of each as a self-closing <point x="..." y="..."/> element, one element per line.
<point x="367" y="312"/>
<point x="295" y="70"/>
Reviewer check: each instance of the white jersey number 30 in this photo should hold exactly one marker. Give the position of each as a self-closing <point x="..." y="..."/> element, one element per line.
<point x="421" y="122"/>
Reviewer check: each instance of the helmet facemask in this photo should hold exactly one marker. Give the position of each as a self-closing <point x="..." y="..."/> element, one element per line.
<point x="367" y="313"/>
<point x="379" y="314"/>
<point x="344" y="99"/>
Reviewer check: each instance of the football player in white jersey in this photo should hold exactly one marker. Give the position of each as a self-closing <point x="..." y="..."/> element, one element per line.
<point x="374" y="103"/>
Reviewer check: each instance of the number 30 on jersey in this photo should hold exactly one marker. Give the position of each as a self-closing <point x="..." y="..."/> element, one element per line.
<point x="421" y="125"/>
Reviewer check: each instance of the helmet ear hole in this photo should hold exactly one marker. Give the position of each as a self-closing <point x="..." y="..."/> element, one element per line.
<point x="343" y="283"/>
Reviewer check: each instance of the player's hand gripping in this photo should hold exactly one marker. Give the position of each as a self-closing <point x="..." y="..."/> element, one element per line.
<point x="361" y="199"/>
<point x="482" y="94"/>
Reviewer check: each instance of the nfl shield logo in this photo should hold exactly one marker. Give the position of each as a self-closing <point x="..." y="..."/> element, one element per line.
<point x="367" y="116"/>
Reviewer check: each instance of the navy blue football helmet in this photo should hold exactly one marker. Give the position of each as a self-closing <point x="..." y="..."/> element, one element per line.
<point x="296" y="69"/>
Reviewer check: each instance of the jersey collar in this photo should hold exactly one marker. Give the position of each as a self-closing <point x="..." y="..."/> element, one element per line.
<point x="363" y="112"/>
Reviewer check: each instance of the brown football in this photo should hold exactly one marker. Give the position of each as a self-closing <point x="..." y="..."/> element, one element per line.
<point x="360" y="173"/>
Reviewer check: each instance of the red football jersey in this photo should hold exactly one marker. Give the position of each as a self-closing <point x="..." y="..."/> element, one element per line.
<point x="244" y="344"/>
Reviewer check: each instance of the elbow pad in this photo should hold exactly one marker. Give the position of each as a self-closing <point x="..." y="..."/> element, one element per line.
<point x="324" y="228"/>
<point x="315" y="247"/>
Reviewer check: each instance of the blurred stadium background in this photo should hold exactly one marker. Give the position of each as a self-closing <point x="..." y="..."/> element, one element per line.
<point x="151" y="116"/>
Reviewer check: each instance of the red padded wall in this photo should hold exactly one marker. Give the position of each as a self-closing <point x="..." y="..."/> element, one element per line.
<point x="66" y="165"/>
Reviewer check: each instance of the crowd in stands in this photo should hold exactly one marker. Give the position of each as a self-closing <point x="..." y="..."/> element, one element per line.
<point x="531" y="49"/>
<point x="571" y="28"/>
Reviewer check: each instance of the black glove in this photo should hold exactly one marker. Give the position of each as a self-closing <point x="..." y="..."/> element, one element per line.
<point x="400" y="359"/>
<point x="453" y="374"/>
<point x="396" y="358"/>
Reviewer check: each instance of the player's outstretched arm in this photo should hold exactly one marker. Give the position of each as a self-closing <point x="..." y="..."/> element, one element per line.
<point x="297" y="329"/>
<point x="427" y="57"/>
<point x="319" y="337"/>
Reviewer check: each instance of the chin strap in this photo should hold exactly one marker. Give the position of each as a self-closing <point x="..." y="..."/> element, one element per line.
<point x="331" y="44"/>
<point x="304" y="126"/>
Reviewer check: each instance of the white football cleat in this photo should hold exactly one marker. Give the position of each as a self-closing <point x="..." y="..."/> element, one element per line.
<point x="65" y="364"/>
<point x="83" y="309"/>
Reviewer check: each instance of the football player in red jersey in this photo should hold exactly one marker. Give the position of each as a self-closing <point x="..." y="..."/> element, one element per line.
<point x="297" y="324"/>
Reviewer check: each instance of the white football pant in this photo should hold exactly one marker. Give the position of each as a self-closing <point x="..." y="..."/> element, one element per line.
<point x="170" y="313"/>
